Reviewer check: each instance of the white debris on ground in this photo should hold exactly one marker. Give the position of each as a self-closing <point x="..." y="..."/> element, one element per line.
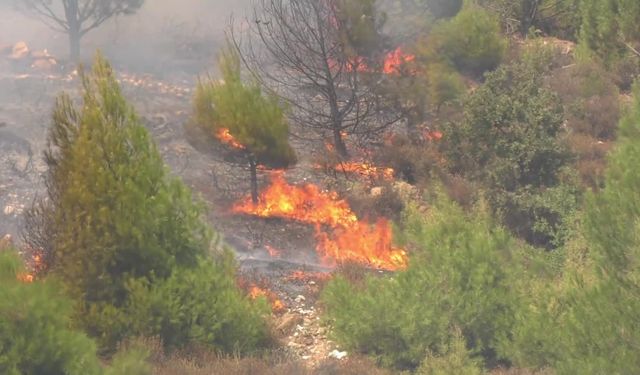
<point x="304" y="333"/>
<point x="337" y="354"/>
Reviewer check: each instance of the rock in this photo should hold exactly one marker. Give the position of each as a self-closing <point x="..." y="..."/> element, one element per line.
<point x="337" y="354"/>
<point x="9" y="209"/>
<point x="287" y="323"/>
<point x="300" y="298"/>
<point x="376" y="191"/>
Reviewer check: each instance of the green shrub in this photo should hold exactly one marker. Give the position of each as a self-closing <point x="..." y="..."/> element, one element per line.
<point x="509" y="142"/>
<point x="36" y="336"/>
<point x="463" y="273"/>
<point x="202" y="307"/>
<point x="121" y="221"/>
<point x="471" y="40"/>
<point x="455" y="359"/>
<point x="589" y="325"/>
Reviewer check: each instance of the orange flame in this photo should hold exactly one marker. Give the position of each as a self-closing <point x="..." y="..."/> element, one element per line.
<point x="225" y="137"/>
<point x="305" y="203"/>
<point x="352" y="240"/>
<point x="392" y="64"/>
<point x="273" y="252"/>
<point x="36" y="265"/>
<point x="395" y="60"/>
<point x="25" y="277"/>
<point x="362" y="243"/>
<point x="276" y="304"/>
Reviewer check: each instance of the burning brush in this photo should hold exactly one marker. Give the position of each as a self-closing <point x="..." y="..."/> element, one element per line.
<point x="340" y="235"/>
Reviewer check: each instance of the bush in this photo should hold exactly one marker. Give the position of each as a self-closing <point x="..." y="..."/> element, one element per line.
<point x="121" y="222"/>
<point x="455" y="359"/>
<point x="588" y="326"/>
<point x="199" y="307"/>
<point x="509" y="142"/>
<point x="464" y="272"/>
<point x="471" y="40"/>
<point x="36" y="333"/>
<point x="35" y="327"/>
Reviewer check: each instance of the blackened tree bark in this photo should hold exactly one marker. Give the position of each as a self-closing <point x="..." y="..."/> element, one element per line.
<point x="296" y="49"/>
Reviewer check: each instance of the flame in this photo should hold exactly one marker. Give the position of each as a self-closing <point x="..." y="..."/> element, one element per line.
<point x="392" y="64"/>
<point x="274" y="253"/>
<point x="351" y="239"/>
<point x="25" y="277"/>
<point x="225" y="137"/>
<point x="363" y="243"/>
<point x="365" y="170"/>
<point x="276" y="304"/>
<point x="305" y="203"/>
<point x="432" y="135"/>
<point x="35" y="265"/>
<point x="395" y="60"/>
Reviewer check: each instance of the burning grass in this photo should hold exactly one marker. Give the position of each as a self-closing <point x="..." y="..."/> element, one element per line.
<point x="307" y="204"/>
<point x="341" y="236"/>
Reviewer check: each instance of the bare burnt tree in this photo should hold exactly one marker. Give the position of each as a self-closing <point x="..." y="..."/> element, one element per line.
<point x="296" y="49"/>
<point x="77" y="17"/>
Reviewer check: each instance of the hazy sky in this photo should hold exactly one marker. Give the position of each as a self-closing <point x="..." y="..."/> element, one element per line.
<point x="145" y="35"/>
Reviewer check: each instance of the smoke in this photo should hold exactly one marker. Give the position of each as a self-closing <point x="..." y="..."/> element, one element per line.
<point x="164" y="36"/>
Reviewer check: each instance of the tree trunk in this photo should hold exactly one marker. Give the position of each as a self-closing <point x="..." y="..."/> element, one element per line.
<point x="253" y="167"/>
<point x="71" y="10"/>
<point x="338" y="143"/>
<point x="74" y="46"/>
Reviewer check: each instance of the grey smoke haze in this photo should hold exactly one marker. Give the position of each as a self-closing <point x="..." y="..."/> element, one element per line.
<point x="163" y="35"/>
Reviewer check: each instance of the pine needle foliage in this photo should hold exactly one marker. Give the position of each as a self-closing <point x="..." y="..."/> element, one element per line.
<point x="119" y="219"/>
<point x="464" y="273"/>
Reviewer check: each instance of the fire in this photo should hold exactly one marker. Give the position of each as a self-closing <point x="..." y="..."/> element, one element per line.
<point x="432" y="135"/>
<point x="35" y="265"/>
<point x="392" y="64"/>
<point x="305" y="203"/>
<point x="225" y="137"/>
<point x="25" y="277"/>
<point x="351" y="239"/>
<point x="395" y="60"/>
<point x="363" y="243"/>
<point x="273" y="252"/>
<point x="276" y="304"/>
<point x="365" y="170"/>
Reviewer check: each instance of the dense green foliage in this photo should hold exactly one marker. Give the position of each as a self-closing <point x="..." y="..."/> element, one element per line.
<point x="360" y="27"/>
<point x="471" y="40"/>
<point x="36" y="336"/>
<point x="555" y="17"/>
<point x="610" y="28"/>
<point x="509" y="141"/>
<point x="120" y="219"/>
<point x="200" y="305"/>
<point x="256" y="120"/>
<point x="455" y="358"/>
<point x="463" y="274"/>
<point x="36" y="333"/>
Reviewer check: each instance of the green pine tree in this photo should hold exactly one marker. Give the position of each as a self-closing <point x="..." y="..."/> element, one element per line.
<point x="256" y="120"/>
<point x="117" y="218"/>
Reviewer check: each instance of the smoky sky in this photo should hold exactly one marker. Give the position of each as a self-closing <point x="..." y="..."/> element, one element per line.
<point x="162" y="35"/>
